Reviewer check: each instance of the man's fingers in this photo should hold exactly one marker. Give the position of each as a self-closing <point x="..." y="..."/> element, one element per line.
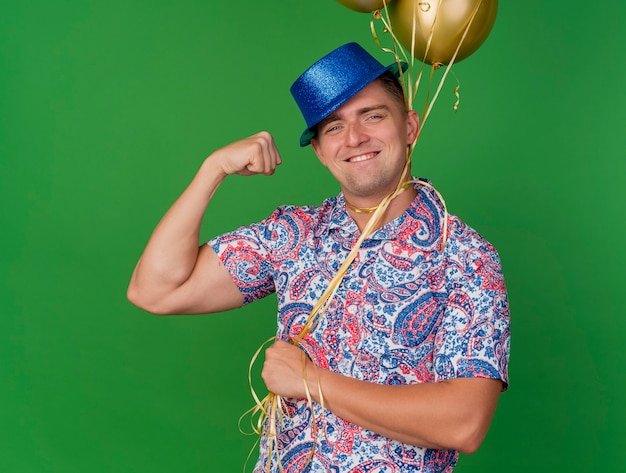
<point x="265" y="156"/>
<point x="256" y="154"/>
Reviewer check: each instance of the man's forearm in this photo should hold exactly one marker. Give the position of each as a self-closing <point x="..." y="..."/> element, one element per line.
<point x="449" y="415"/>
<point x="453" y="414"/>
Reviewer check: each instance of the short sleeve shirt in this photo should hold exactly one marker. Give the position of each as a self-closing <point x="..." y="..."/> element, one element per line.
<point x="406" y="311"/>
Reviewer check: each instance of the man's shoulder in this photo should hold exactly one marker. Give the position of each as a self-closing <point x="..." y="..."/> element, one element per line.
<point x="463" y="239"/>
<point x="315" y="214"/>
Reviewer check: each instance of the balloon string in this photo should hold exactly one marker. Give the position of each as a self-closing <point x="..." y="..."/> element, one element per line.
<point x="270" y="409"/>
<point x="449" y="66"/>
<point x="399" y="53"/>
<point x="412" y="87"/>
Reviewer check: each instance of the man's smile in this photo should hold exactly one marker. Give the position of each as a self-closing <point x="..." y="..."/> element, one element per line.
<point x="362" y="157"/>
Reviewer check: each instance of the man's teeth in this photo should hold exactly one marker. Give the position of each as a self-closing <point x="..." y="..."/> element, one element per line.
<point x="361" y="157"/>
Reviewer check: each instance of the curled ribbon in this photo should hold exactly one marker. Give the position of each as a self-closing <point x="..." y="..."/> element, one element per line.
<point x="269" y="410"/>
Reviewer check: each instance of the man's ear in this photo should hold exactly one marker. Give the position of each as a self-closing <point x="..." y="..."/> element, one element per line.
<point x="412" y="125"/>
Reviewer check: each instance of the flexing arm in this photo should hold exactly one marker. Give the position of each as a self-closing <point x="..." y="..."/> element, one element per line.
<point x="174" y="275"/>
<point x="453" y="414"/>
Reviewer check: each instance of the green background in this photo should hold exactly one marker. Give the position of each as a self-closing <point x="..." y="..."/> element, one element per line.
<point x="107" y="108"/>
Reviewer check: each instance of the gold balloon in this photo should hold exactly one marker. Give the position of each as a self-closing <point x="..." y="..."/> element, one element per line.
<point x="364" y="6"/>
<point x="446" y="20"/>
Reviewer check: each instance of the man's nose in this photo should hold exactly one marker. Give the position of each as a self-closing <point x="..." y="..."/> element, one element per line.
<point x="356" y="134"/>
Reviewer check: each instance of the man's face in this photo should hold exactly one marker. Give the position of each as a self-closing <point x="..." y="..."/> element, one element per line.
<point x="364" y="143"/>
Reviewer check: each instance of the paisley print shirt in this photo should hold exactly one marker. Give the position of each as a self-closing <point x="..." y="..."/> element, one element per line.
<point x="405" y="312"/>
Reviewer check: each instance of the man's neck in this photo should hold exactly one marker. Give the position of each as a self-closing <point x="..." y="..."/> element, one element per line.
<point x="362" y="215"/>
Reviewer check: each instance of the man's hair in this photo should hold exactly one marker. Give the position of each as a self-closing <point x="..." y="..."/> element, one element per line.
<point x="392" y="85"/>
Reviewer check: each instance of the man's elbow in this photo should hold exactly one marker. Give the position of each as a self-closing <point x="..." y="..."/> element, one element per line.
<point x="470" y="443"/>
<point x="150" y="304"/>
<point x="473" y="422"/>
<point x="470" y="436"/>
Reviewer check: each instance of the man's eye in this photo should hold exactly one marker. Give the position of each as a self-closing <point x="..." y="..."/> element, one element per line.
<point x="332" y="128"/>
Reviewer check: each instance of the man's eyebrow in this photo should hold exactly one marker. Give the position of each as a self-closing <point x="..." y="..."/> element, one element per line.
<point x="372" y="108"/>
<point x="330" y="118"/>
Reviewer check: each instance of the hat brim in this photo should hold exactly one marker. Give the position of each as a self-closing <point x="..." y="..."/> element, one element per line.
<point x="397" y="68"/>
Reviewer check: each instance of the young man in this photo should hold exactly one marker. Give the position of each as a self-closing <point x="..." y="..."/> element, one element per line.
<point x="411" y="355"/>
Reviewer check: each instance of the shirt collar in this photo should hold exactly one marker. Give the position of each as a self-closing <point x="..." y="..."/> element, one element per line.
<point x="421" y="222"/>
